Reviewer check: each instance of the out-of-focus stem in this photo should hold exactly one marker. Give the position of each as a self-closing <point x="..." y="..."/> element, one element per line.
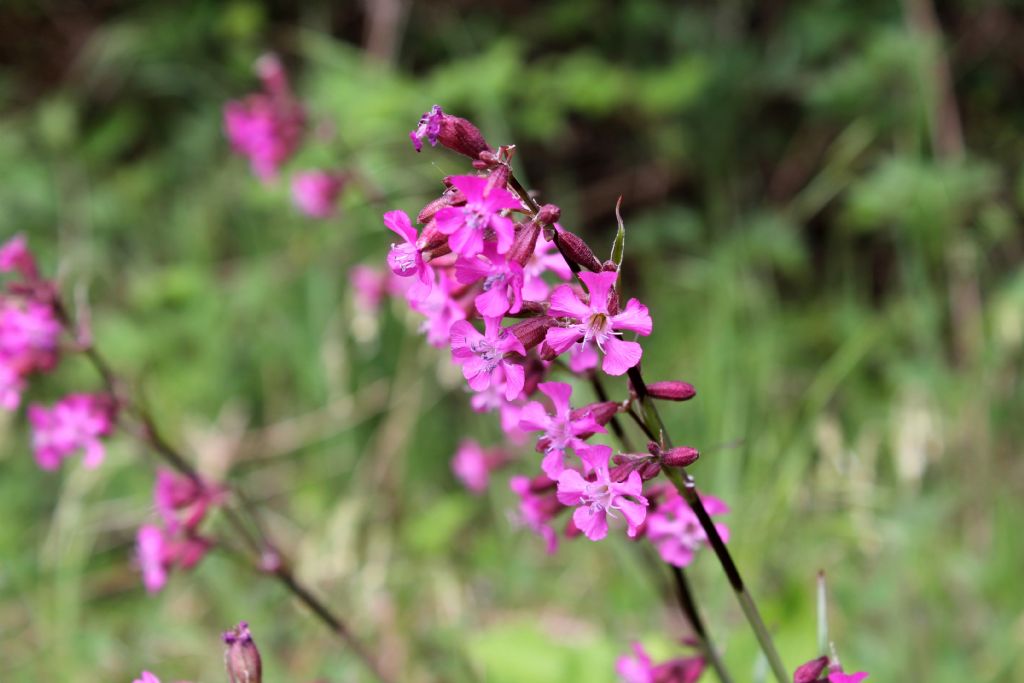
<point x="259" y="544"/>
<point x="689" y="607"/>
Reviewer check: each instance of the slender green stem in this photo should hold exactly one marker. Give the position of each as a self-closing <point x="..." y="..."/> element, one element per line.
<point x="689" y="607"/>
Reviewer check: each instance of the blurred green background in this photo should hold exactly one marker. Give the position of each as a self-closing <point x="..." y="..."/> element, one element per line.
<point x="823" y="202"/>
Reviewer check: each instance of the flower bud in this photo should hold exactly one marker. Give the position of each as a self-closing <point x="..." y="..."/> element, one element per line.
<point x="530" y="309"/>
<point x="601" y="412"/>
<point x="458" y="135"/>
<point x="671" y="390"/>
<point x="498" y="178"/>
<point x="680" y="456"/>
<point x="241" y="658"/>
<point x="531" y="332"/>
<point x="574" y="249"/>
<point x="811" y="671"/>
<point x="450" y="197"/>
<point x="525" y="243"/>
<point x="609" y="266"/>
<point x="548" y="214"/>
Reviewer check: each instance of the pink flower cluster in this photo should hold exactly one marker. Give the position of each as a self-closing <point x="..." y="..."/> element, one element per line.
<point x="74" y="423"/>
<point x="267" y="128"/>
<point x="487" y="270"/>
<point x="182" y="504"/>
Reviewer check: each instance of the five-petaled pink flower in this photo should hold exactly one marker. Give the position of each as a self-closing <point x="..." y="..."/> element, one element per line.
<point x="599" y="497"/>
<point x="565" y="429"/>
<point x="405" y="260"/>
<point x="316" y="192"/>
<point x="503" y="281"/>
<point x="467" y="226"/>
<point x="428" y="128"/>
<point x="486" y="358"/>
<point x="472" y="465"/>
<point x="596" y="323"/>
<point x="29" y="335"/>
<point x="675" y="530"/>
<point x="75" y="422"/>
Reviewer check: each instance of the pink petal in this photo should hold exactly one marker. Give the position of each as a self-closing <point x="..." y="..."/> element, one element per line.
<point x="494" y="302"/>
<point x="398" y="222"/>
<point x="561" y="338"/>
<point x="599" y="285"/>
<point x="571" y="486"/>
<point x="619" y="356"/>
<point x="559" y="393"/>
<point x="564" y="302"/>
<point x="635" y="318"/>
<point x="515" y="378"/>
<point x="534" y="417"/>
<point x="593" y="523"/>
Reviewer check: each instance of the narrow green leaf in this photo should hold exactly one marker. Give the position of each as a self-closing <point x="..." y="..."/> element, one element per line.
<point x="619" y="246"/>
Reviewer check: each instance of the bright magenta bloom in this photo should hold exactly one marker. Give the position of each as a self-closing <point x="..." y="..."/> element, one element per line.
<point x="316" y="192"/>
<point x="405" y="260"/>
<point x="599" y="497"/>
<point x="158" y="550"/>
<point x="503" y="281"/>
<point x="597" y="324"/>
<point x="29" y="335"/>
<point x="674" y="529"/>
<point x="368" y="286"/>
<point x="565" y="429"/>
<point x="466" y="226"/>
<point x="16" y="257"/>
<point x="485" y="358"/>
<point x="75" y="422"/>
<point x="11" y="385"/>
<point x="840" y="677"/>
<point x="472" y="465"/>
<point x="183" y="502"/>
<point x="266" y="127"/>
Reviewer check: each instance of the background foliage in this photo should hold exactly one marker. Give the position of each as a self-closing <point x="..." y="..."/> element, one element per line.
<point x="829" y="242"/>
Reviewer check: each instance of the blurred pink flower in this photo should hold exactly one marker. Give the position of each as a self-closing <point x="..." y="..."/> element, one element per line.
<point x="487" y="358"/>
<point x="75" y="422"/>
<point x="599" y="497"/>
<point x="158" y="550"/>
<point x="266" y="127"/>
<point x="11" y="385"/>
<point x="675" y="530"/>
<point x="597" y="323"/>
<point x="405" y="260"/>
<point x="316" y="192"/>
<point x="29" y="335"/>
<point x="368" y="286"/>
<point x="564" y="429"/>
<point x="538" y="505"/>
<point x="16" y="257"/>
<point x="472" y="465"/>
<point x="638" y="668"/>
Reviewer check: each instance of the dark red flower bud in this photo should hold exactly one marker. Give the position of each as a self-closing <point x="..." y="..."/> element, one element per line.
<point x="241" y="658"/>
<point x="649" y="470"/>
<point x="609" y="266"/>
<point x="450" y="197"/>
<point x="574" y="249"/>
<point x="671" y="390"/>
<point x="524" y="243"/>
<point x="601" y="412"/>
<point x="431" y="237"/>
<point x="531" y="332"/>
<point x="548" y="214"/>
<point x="811" y="671"/>
<point x="459" y="135"/>
<point x="530" y="309"/>
<point x="498" y="178"/>
<point x="680" y="456"/>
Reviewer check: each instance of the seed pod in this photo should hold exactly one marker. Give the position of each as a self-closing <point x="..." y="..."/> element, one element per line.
<point x="524" y="243"/>
<point x="459" y="135"/>
<point x="241" y="657"/>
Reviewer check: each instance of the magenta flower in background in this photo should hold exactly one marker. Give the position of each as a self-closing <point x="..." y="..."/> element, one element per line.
<point x="316" y="192"/>
<point x="405" y="260"/>
<point x="29" y="335"/>
<point x="441" y="312"/>
<point x="266" y="127"/>
<point x="486" y="358"/>
<point x="638" y="668"/>
<point x="468" y="225"/>
<point x="75" y="422"/>
<point x="562" y="430"/>
<point x="472" y="465"/>
<point x="674" y="529"/>
<point x="151" y="550"/>
<point x="503" y="281"/>
<point x="11" y="385"/>
<point x="368" y="286"/>
<point x="183" y="502"/>
<point x="597" y="324"/>
<point x="538" y="505"/>
<point x="840" y="677"/>
<point x="599" y="497"/>
<point x="147" y="678"/>
<point x="428" y="128"/>
<point x="16" y="257"/>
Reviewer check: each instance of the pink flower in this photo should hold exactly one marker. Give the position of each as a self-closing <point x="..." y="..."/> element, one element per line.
<point x="635" y="668"/>
<point x="597" y="324"/>
<point x="599" y="497"/>
<point x="565" y="429"/>
<point x="147" y="678"/>
<point x="538" y="505"/>
<point x="429" y="128"/>
<point x="75" y="422"/>
<point x="158" y="550"/>
<point x="675" y="530"/>
<point x="545" y="259"/>
<point x="485" y="358"/>
<point x="16" y="257"/>
<point x="472" y="465"/>
<point x="466" y="226"/>
<point x="503" y="281"/>
<point x="29" y="335"/>
<point x="840" y="677"/>
<point x="183" y="502"/>
<point x="441" y="312"/>
<point x="369" y="286"/>
<point x="638" y="668"/>
<point x="405" y="260"/>
<point x="316" y="192"/>
<point x="11" y="385"/>
<point x="266" y="127"/>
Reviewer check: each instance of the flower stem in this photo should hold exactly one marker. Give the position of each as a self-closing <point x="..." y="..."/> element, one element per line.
<point x="689" y="607"/>
<point x="258" y="543"/>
